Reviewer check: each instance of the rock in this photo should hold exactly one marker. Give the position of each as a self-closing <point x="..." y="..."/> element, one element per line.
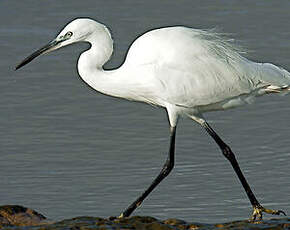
<point x="16" y="217"/>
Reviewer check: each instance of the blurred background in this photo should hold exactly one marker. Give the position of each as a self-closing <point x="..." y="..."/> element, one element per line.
<point x="66" y="150"/>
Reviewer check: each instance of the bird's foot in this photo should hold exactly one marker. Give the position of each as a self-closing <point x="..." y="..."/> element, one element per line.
<point x="258" y="212"/>
<point x="121" y="216"/>
<point x="130" y="209"/>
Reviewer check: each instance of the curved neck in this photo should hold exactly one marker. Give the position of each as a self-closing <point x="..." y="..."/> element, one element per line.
<point x="122" y="82"/>
<point x="117" y="83"/>
<point x="99" y="53"/>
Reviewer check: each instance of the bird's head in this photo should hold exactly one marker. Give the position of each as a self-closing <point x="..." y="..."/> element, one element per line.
<point x="78" y="30"/>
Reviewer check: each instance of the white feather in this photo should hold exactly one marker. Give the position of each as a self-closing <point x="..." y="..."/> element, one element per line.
<point x="187" y="71"/>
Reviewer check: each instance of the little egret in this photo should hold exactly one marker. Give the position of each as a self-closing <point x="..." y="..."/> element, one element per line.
<point x="184" y="70"/>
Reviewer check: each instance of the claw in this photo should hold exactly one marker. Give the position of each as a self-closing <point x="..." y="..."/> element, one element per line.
<point x="258" y="212"/>
<point x="280" y="211"/>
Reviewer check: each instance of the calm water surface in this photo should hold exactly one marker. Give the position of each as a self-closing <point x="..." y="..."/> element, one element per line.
<point x="68" y="151"/>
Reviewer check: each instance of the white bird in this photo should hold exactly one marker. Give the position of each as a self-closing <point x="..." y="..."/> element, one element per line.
<point x="184" y="70"/>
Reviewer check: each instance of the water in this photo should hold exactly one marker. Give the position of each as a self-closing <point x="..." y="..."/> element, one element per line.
<point x="68" y="151"/>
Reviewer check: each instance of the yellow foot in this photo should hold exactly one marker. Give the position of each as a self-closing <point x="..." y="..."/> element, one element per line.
<point x="258" y="212"/>
<point x="121" y="216"/>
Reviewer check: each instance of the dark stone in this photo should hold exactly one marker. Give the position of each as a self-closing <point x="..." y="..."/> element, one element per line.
<point x="16" y="217"/>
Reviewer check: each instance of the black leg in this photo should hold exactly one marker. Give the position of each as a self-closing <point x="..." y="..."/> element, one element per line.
<point x="168" y="166"/>
<point x="227" y="152"/>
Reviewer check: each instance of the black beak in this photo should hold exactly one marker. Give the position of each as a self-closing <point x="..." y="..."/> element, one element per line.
<point x="45" y="49"/>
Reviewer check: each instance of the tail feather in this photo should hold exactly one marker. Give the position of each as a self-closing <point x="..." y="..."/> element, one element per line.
<point x="276" y="89"/>
<point x="276" y="79"/>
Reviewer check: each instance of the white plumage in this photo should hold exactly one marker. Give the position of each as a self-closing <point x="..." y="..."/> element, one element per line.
<point x="185" y="70"/>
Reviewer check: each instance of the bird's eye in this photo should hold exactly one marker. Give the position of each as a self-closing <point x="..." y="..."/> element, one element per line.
<point x="69" y="34"/>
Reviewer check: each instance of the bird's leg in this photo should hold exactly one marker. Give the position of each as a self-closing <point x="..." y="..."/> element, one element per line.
<point x="168" y="166"/>
<point x="227" y="152"/>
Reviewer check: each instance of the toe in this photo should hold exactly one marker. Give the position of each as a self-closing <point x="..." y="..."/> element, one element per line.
<point x="258" y="213"/>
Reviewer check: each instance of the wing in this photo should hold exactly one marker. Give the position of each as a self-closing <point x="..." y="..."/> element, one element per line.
<point x="192" y="67"/>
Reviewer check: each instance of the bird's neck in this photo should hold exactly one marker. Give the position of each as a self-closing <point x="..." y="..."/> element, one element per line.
<point x="99" y="53"/>
<point x="90" y="67"/>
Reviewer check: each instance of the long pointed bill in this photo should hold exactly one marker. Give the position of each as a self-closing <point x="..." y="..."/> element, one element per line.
<point x="45" y="49"/>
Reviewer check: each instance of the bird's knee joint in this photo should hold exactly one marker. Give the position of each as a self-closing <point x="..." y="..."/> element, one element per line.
<point x="167" y="168"/>
<point x="227" y="152"/>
